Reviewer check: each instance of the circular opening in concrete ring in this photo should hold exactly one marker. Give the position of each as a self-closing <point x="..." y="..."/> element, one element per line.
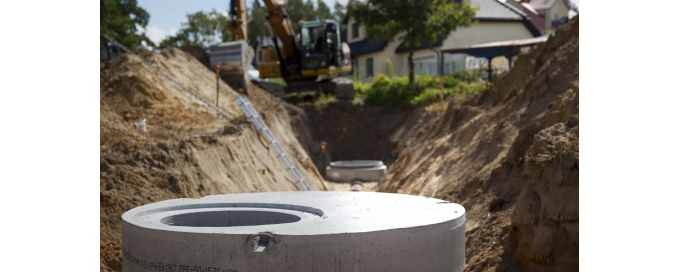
<point x="229" y="219"/>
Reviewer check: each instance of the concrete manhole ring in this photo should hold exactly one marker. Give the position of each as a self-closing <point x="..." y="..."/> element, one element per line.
<point x="296" y="231"/>
<point x="357" y="164"/>
<point x="362" y="170"/>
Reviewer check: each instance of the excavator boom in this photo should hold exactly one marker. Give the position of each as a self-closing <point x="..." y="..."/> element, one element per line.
<point x="238" y="25"/>
<point x="299" y="56"/>
<point x="281" y="24"/>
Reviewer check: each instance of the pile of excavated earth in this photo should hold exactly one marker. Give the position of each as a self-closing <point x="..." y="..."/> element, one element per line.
<point x="509" y="154"/>
<point x="188" y="150"/>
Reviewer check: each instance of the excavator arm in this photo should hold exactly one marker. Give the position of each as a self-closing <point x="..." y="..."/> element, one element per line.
<point x="298" y="59"/>
<point x="238" y="25"/>
<point x="281" y="24"/>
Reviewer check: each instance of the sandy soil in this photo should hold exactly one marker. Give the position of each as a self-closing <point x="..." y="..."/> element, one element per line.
<point x="509" y="155"/>
<point x="188" y="150"/>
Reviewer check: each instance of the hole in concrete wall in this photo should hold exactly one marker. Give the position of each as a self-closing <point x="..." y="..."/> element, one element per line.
<point x="229" y="219"/>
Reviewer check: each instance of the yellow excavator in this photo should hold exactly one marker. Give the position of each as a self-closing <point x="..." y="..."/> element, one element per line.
<point x="300" y="56"/>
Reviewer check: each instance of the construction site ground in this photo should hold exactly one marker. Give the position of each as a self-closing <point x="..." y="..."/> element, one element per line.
<point x="509" y="155"/>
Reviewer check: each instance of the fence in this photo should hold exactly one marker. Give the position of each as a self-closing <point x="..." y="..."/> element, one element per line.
<point x="431" y="68"/>
<point x="470" y="65"/>
<point x="450" y="68"/>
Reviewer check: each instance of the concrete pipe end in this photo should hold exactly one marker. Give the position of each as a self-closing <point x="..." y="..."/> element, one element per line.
<point x="362" y="170"/>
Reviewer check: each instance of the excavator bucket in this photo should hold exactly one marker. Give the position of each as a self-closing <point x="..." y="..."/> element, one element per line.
<point x="234" y="58"/>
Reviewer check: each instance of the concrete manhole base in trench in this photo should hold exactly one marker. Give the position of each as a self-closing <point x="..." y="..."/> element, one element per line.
<point x="348" y="171"/>
<point x="296" y="231"/>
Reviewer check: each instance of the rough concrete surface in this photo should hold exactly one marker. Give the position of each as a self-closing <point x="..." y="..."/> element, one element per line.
<point x="296" y="231"/>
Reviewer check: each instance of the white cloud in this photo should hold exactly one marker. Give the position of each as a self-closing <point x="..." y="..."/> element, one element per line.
<point x="157" y="34"/>
<point x="331" y="3"/>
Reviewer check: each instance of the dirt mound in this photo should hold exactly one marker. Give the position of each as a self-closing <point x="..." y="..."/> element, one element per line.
<point x="510" y="156"/>
<point x="544" y="224"/>
<point x="189" y="150"/>
<point x="198" y="53"/>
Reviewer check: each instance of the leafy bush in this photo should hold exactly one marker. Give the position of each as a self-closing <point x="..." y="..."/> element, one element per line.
<point x="462" y="91"/>
<point x="391" y="91"/>
<point x="326" y="98"/>
<point x="361" y="87"/>
<point x="390" y="67"/>
<point x="425" y="90"/>
<point x="468" y="77"/>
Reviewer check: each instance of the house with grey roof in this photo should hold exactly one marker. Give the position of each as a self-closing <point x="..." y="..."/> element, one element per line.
<point x="497" y="21"/>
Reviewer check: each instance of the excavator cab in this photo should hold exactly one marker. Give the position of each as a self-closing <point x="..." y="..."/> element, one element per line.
<point x="299" y="56"/>
<point x="321" y="47"/>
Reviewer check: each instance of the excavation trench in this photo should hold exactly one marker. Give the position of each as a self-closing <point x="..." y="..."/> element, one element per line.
<point x="491" y="153"/>
<point x="351" y="132"/>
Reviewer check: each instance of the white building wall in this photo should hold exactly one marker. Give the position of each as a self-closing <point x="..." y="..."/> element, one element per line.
<point x="482" y="32"/>
<point x="560" y="9"/>
<point x="379" y="59"/>
<point x="350" y="29"/>
<point x="486" y="32"/>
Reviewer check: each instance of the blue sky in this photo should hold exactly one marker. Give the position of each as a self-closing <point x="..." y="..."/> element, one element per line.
<point x="167" y="15"/>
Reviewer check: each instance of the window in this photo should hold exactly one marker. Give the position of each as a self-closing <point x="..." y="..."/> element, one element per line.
<point x="369" y="67"/>
<point x="355" y="31"/>
<point x="305" y="37"/>
<point x="355" y="68"/>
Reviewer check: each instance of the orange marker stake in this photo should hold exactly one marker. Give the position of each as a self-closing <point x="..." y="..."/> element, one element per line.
<point x="323" y="156"/>
<point x="217" y="82"/>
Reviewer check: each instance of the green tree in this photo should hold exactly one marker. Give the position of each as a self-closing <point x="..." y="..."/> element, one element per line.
<point x="202" y="29"/>
<point x="573" y="6"/>
<point x="323" y="11"/>
<point x="339" y="11"/>
<point x="119" y="20"/>
<point x="257" y="22"/>
<point x="299" y="10"/>
<point x="413" y="22"/>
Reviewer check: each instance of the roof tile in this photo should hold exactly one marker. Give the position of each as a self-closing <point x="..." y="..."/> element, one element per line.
<point x="496" y="10"/>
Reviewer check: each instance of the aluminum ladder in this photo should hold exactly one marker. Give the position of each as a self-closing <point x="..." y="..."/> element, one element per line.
<point x="269" y="138"/>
